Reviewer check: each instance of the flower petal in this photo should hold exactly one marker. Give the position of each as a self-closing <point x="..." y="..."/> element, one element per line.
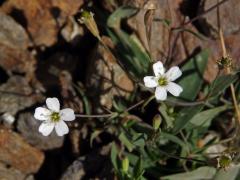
<point x="53" y="104"/>
<point x="161" y="93"/>
<point x="173" y="73"/>
<point x="158" y="68"/>
<point x="67" y="114"/>
<point x="42" y="113"/>
<point x="46" y="128"/>
<point x="174" y="88"/>
<point x="150" y="81"/>
<point x="61" y="128"/>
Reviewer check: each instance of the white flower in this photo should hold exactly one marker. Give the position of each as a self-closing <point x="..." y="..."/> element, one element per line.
<point x="53" y="117"/>
<point x="163" y="81"/>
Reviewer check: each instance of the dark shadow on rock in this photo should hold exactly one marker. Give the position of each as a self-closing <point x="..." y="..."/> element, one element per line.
<point x="56" y="161"/>
<point x="192" y="9"/>
<point x="18" y="15"/>
<point x="3" y="76"/>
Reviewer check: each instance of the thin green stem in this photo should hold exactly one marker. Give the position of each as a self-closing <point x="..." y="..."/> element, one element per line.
<point x="95" y="115"/>
<point x="182" y="158"/>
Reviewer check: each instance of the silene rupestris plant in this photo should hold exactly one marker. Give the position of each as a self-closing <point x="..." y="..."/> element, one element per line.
<point x="165" y="129"/>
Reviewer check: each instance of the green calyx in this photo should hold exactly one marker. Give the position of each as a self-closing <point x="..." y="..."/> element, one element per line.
<point x="55" y="117"/>
<point x="86" y="14"/>
<point x="162" y="81"/>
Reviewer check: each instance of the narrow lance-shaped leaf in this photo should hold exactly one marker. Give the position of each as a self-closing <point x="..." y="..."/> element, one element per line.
<point x="138" y="169"/>
<point x="231" y="174"/>
<point x="174" y="139"/>
<point x="192" y="78"/>
<point x="221" y="83"/>
<point x="126" y="142"/>
<point x="129" y="52"/>
<point x="200" y="173"/>
<point x="122" y="12"/>
<point x="204" y="118"/>
<point x="134" y="59"/>
<point x="114" y="156"/>
<point x="184" y="116"/>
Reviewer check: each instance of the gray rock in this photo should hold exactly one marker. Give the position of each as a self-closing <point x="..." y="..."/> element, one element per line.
<point x="28" y="127"/>
<point x="75" y="171"/>
<point x="14" y="41"/>
<point x="16" y="94"/>
<point x="12" y="174"/>
<point x="95" y="165"/>
<point x="105" y="78"/>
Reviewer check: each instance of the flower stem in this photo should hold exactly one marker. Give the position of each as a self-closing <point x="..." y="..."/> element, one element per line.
<point x="110" y="114"/>
<point x="228" y="71"/>
<point x="94" y="116"/>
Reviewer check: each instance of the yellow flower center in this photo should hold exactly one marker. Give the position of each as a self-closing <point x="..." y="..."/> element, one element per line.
<point x="162" y="81"/>
<point x="55" y="117"/>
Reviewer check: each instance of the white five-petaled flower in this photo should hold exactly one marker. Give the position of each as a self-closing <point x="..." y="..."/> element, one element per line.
<point x="163" y="81"/>
<point x="52" y="117"/>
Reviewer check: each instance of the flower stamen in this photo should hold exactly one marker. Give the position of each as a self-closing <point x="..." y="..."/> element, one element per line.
<point x="162" y="81"/>
<point x="55" y="117"/>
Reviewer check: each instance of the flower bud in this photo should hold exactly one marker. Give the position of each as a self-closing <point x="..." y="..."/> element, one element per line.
<point x="86" y="18"/>
<point x="157" y="120"/>
<point x="125" y="164"/>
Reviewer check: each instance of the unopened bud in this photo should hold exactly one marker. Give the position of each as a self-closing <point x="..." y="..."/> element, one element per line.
<point x="171" y="110"/>
<point x="125" y="164"/>
<point x="87" y="18"/>
<point x="157" y="120"/>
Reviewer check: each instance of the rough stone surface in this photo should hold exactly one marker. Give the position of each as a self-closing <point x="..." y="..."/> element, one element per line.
<point x="42" y="18"/>
<point x="74" y="171"/>
<point x="72" y="30"/>
<point x="94" y="165"/>
<point x="16" y="94"/>
<point x="13" y="46"/>
<point x="230" y="22"/>
<point x="49" y="71"/>
<point x="13" y="174"/>
<point x="185" y="44"/>
<point x="28" y="127"/>
<point x="14" y="151"/>
<point x="159" y="40"/>
<point x="105" y="78"/>
<point x="230" y="17"/>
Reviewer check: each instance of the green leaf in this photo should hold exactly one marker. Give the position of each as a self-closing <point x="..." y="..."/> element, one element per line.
<point x="122" y="137"/>
<point x="123" y="12"/>
<point x="204" y="118"/>
<point x="174" y="139"/>
<point x="114" y="156"/>
<point x="229" y="174"/>
<point x="128" y="49"/>
<point x="130" y="55"/>
<point x="221" y="83"/>
<point x="81" y="91"/>
<point x="138" y="169"/>
<point x="138" y="139"/>
<point x="200" y="173"/>
<point x="184" y="116"/>
<point x="168" y="120"/>
<point x="94" y="135"/>
<point x="143" y="127"/>
<point x="192" y="80"/>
